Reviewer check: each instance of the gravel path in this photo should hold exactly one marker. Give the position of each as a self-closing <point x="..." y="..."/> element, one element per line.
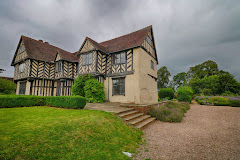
<point x="207" y="132"/>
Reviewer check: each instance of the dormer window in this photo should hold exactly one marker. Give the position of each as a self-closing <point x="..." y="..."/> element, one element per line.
<point x="21" y="48"/>
<point x="58" y="66"/>
<point x="21" y="68"/>
<point x="87" y="59"/>
<point x="119" y="58"/>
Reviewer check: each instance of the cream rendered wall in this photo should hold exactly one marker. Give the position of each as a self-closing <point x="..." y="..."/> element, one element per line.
<point x="140" y="88"/>
<point x="27" y="91"/>
<point x="17" y="89"/>
<point x="132" y="91"/>
<point x="148" y="85"/>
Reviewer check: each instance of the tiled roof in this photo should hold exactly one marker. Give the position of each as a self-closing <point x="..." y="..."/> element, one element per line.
<point x="37" y="49"/>
<point x="126" y="41"/>
<point x="40" y="50"/>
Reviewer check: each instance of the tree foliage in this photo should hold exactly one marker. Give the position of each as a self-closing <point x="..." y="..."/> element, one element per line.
<point x="184" y="94"/>
<point x="94" y="91"/>
<point x="6" y="86"/>
<point x="166" y="92"/>
<point x="163" y="77"/>
<point x="180" y="79"/>
<point x="79" y="83"/>
<point x="207" y="68"/>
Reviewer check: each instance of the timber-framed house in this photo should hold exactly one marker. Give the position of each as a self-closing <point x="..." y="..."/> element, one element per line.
<point x="125" y="65"/>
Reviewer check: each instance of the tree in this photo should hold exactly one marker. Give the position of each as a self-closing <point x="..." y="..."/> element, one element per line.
<point x="180" y="79"/>
<point x="227" y="82"/>
<point x="163" y="77"/>
<point x="207" y="68"/>
<point x="79" y="83"/>
<point x="195" y="84"/>
<point x="211" y="83"/>
<point x="94" y="91"/>
<point x="6" y="86"/>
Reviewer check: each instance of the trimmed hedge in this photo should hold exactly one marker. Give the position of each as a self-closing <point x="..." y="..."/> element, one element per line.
<point x="166" y="92"/>
<point x="222" y="104"/>
<point x="9" y="101"/>
<point x="235" y="103"/>
<point x="74" y="102"/>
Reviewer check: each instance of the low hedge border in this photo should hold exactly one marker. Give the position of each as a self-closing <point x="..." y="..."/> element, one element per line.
<point x="73" y="102"/>
<point x="11" y="101"/>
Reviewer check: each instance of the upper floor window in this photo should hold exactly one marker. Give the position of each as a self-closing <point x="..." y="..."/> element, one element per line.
<point x="119" y="58"/>
<point x="58" y="66"/>
<point x="21" y="67"/>
<point x="21" y="48"/>
<point x="152" y="64"/>
<point x="149" y="40"/>
<point x="87" y="59"/>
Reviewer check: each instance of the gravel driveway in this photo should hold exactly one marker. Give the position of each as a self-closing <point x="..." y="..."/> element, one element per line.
<point x="207" y="132"/>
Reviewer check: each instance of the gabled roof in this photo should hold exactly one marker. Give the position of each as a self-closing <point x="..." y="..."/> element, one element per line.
<point x="126" y="41"/>
<point x="39" y="50"/>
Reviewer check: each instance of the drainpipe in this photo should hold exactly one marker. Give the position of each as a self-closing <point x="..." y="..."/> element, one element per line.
<point x="42" y="78"/>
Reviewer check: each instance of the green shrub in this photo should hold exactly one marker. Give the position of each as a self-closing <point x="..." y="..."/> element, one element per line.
<point x="167" y="98"/>
<point x="74" y="102"/>
<point x="8" y="101"/>
<point x="79" y="83"/>
<point x="170" y="112"/>
<point x="184" y="94"/>
<point x="217" y="99"/>
<point x="7" y="87"/>
<point x="94" y="91"/>
<point x="166" y="92"/>
<point x="207" y="92"/>
<point x="228" y="93"/>
<point x="235" y="103"/>
<point x="222" y="104"/>
<point x="174" y="99"/>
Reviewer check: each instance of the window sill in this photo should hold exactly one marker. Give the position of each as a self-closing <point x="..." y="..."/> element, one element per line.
<point x="118" y="94"/>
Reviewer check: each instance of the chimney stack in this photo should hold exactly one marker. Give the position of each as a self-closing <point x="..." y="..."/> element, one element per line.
<point x="40" y="40"/>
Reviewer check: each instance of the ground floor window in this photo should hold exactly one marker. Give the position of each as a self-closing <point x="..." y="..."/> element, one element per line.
<point x="118" y="86"/>
<point x="22" y="87"/>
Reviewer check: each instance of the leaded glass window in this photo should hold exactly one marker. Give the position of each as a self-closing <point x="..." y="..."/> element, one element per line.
<point x="87" y="59"/>
<point x="118" y="86"/>
<point x="119" y="58"/>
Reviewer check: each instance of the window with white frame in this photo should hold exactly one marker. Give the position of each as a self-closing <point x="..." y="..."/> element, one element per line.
<point x="152" y="64"/>
<point x="119" y="58"/>
<point x="21" y="48"/>
<point x="21" y="68"/>
<point x="87" y="59"/>
<point x="118" y="86"/>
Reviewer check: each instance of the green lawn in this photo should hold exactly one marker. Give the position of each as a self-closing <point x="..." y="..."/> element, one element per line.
<point x="54" y="133"/>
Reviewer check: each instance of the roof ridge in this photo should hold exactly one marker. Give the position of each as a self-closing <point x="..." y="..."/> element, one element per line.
<point x="45" y="43"/>
<point x="95" y="41"/>
<point x="127" y="34"/>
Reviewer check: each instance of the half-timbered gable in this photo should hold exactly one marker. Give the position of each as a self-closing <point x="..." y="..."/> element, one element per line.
<point x="22" y="69"/>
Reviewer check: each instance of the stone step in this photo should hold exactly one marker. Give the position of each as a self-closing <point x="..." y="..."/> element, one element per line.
<point x="139" y="119"/>
<point x="127" y="113"/>
<point x="133" y="116"/>
<point x="144" y="123"/>
<point x="121" y="110"/>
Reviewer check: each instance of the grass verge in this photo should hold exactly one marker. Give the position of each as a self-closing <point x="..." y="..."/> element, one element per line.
<point x="54" y="133"/>
<point x="170" y="112"/>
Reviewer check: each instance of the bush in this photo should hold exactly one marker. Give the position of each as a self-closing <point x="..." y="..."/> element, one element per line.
<point x="228" y="93"/>
<point x="166" y="92"/>
<point x="94" y="91"/>
<point x="79" y="83"/>
<point x="235" y="103"/>
<point x="170" y="112"/>
<point x="184" y="94"/>
<point x="207" y="92"/>
<point x="8" y="101"/>
<point x="7" y="87"/>
<point x="222" y="104"/>
<point x="74" y="102"/>
<point x="217" y="99"/>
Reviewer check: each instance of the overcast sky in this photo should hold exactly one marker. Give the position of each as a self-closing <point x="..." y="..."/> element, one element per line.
<point x="187" y="32"/>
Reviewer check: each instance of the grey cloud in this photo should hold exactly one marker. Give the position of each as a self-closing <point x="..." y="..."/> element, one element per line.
<point x="186" y="32"/>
